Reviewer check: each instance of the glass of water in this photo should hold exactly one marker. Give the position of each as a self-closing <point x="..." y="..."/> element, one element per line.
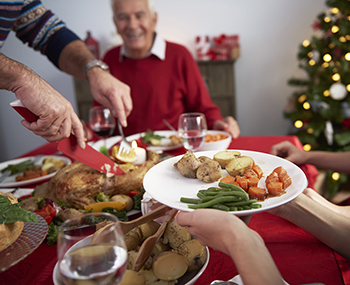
<point x="192" y="128"/>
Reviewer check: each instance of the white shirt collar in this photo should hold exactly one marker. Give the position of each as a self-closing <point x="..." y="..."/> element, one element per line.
<point x="158" y="49"/>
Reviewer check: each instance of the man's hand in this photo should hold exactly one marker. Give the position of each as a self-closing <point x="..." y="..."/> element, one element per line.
<point x="229" y="124"/>
<point x="111" y="93"/>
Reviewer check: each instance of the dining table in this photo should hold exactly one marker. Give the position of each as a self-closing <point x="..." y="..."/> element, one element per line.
<point x="300" y="257"/>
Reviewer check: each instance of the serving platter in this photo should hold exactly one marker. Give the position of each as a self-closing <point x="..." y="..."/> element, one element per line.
<point x="164" y="183"/>
<point x="31" y="237"/>
<point x="10" y="181"/>
<point x="166" y="142"/>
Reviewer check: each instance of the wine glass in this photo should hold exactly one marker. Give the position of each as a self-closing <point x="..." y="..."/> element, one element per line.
<point x="101" y="122"/>
<point x="192" y="129"/>
<point x="86" y="254"/>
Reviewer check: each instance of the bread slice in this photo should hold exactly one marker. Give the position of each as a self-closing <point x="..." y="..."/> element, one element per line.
<point x="10" y="232"/>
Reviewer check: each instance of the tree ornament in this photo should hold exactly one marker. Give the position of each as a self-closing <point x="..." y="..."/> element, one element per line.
<point x="338" y="91"/>
<point x="316" y="55"/>
<point x="345" y="109"/>
<point x="328" y="132"/>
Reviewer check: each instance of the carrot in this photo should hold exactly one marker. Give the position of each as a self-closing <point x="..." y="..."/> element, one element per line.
<point x="228" y="179"/>
<point x="253" y="181"/>
<point x="286" y="180"/>
<point x="257" y="193"/>
<point x="250" y="173"/>
<point x="272" y="177"/>
<point x="243" y="183"/>
<point x="257" y="169"/>
<point x="280" y="171"/>
<point x="275" y="188"/>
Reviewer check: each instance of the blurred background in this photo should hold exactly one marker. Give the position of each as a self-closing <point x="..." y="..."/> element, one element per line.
<point x="270" y="33"/>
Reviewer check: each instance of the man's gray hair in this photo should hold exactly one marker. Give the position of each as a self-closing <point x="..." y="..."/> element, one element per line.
<point x="151" y="5"/>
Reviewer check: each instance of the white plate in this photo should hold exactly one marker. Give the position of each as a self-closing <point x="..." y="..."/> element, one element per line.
<point x="237" y="279"/>
<point x="11" y="180"/>
<point x="109" y="142"/>
<point x="165" y="134"/>
<point x="166" y="185"/>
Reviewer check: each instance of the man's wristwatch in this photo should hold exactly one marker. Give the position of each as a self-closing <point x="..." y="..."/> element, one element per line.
<point x="95" y="62"/>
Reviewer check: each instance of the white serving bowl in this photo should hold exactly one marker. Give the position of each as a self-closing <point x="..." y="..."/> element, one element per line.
<point x="218" y="145"/>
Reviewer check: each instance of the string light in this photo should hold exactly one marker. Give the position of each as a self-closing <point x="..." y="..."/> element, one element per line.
<point x="310" y="130"/>
<point x="334" y="10"/>
<point x="336" y="76"/>
<point x="335" y="176"/>
<point x="302" y="98"/>
<point x="298" y="124"/>
<point x="310" y="54"/>
<point x="335" y="29"/>
<point x="331" y="45"/>
<point x="325" y="64"/>
<point x="347" y="36"/>
<point x="312" y="62"/>
<point x="306" y="43"/>
<point x="327" y="57"/>
<point x="347" y="56"/>
<point x="326" y="93"/>
<point x="306" y="105"/>
<point x="327" y="19"/>
<point x="342" y="39"/>
<point x="307" y="147"/>
<point x="348" y="87"/>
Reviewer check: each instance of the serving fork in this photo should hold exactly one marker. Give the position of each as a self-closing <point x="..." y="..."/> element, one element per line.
<point x="124" y="144"/>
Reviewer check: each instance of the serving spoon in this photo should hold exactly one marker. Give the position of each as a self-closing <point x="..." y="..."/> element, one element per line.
<point x="148" y="245"/>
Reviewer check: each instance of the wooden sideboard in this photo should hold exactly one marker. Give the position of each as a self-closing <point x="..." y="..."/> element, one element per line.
<point x="219" y="78"/>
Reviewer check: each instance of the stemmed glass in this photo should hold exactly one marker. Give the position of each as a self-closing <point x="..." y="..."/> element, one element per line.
<point x="192" y="129"/>
<point x="86" y="256"/>
<point x="101" y="122"/>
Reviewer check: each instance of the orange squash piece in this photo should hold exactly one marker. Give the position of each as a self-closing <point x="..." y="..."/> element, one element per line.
<point x="250" y="173"/>
<point x="257" y="169"/>
<point x="272" y="177"/>
<point x="257" y="193"/>
<point x="253" y="181"/>
<point x="228" y="179"/>
<point x="275" y="188"/>
<point x="286" y="180"/>
<point x="243" y="183"/>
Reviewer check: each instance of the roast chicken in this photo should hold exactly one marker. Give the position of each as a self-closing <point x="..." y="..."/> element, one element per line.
<point x="77" y="184"/>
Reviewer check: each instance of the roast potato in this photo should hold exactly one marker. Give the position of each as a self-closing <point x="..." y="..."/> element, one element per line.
<point x="123" y="198"/>
<point x="225" y="156"/>
<point x="169" y="265"/>
<point x="194" y="252"/>
<point x="132" y="277"/>
<point x="188" y="165"/>
<point x="239" y="165"/>
<point x="133" y="238"/>
<point x="209" y="171"/>
<point x="175" y="234"/>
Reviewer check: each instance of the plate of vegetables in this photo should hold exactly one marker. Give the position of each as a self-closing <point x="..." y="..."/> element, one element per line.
<point x="165" y="184"/>
<point x="156" y="140"/>
<point x="30" y="170"/>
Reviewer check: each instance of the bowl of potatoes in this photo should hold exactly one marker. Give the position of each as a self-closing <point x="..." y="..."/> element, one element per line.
<point x="216" y="140"/>
<point x="177" y="258"/>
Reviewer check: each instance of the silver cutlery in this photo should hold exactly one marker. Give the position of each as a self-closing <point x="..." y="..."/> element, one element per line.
<point x="5" y="175"/>
<point x="124" y="144"/>
<point x="169" y="126"/>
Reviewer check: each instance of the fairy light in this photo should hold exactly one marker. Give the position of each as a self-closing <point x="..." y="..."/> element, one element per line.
<point x="335" y="176"/>
<point x="335" y="29"/>
<point x="306" y="43"/>
<point x="334" y="10"/>
<point x="302" y="98"/>
<point x="327" y="57"/>
<point x="336" y="77"/>
<point x="310" y="130"/>
<point x="331" y="45"/>
<point x="347" y="56"/>
<point x="307" y="147"/>
<point x="325" y="64"/>
<point x="326" y="93"/>
<point x="298" y="124"/>
<point x="310" y="54"/>
<point x="342" y="39"/>
<point x="327" y="19"/>
<point x="348" y="87"/>
<point x="347" y="37"/>
<point x="312" y="62"/>
<point x="306" y="105"/>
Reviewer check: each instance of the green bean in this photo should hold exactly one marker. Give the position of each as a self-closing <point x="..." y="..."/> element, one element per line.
<point x="221" y="207"/>
<point x="244" y="195"/>
<point x="190" y="200"/>
<point x="231" y="186"/>
<point x="200" y="195"/>
<point x="241" y="203"/>
<point x="255" y="206"/>
<point x="240" y="208"/>
<point x="246" y="207"/>
<point x="210" y="203"/>
<point x="208" y="198"/>
<point x="233" y="209"/>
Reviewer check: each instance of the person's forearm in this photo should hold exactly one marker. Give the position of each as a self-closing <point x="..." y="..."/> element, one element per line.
<point x="253" y="261"/>
<point x="338" y="161"/>
<point x="324" y="224"/>
<point x="74" y="58"/>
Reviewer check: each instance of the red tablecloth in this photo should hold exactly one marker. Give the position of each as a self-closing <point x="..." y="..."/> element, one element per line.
<point x="300" y="257"/>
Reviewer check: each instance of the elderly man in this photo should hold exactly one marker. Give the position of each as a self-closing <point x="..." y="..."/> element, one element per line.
<point x="43" y="31"/>
<point x="164" y="79"/>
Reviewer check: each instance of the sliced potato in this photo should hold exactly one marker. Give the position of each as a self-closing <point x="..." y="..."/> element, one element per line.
<point x="132" y="277"/>
<point x="124" y="198"/>
<point x="194" y="252"/>
<point x="239" y="165"/>
<point x="169" y="265"/>
<point x="133" y="238"/>
<point x="225" y="156"/>
<point x="149" y="229"/>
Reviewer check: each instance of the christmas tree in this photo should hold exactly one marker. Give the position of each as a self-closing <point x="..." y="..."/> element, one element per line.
<point x="320" y="106"/>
